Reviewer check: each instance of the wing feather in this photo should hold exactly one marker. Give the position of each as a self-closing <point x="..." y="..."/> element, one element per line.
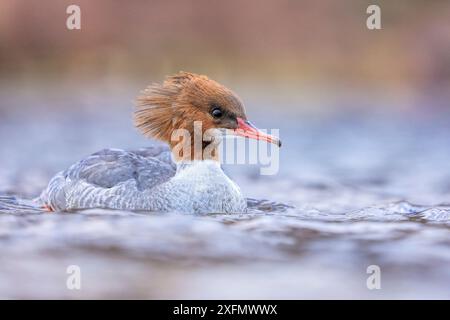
<point x="109" y="169"/>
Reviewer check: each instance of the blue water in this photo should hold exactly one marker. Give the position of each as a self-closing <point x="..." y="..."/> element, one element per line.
<point x="352" y="191"/>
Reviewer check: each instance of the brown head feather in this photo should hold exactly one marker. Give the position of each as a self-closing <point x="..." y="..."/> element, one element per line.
<point x="182" y="99"/>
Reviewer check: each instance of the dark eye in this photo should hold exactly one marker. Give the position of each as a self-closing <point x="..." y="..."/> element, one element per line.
<point x="216" y="112"/>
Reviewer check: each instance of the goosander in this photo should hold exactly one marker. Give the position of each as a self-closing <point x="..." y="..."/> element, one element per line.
<point x="163" y="178"/>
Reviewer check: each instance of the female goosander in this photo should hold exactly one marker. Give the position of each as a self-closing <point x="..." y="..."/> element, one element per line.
<point x="163" y="178"/>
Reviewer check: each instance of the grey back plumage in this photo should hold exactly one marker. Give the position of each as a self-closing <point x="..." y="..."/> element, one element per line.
<point x="104" y="173"/>
<point x="109" y="167"/>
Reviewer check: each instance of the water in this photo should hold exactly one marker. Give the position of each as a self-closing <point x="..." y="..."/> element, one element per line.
<point x="352" y="191"/>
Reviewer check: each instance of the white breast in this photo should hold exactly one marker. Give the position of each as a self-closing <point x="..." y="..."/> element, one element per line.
<point x="203" y="187"/>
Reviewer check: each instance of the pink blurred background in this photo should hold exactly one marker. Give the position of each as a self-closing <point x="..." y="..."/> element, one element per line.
<point x="287" y="49"/>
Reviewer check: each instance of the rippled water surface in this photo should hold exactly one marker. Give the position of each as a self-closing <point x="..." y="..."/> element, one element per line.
<point x="351" y="192"/>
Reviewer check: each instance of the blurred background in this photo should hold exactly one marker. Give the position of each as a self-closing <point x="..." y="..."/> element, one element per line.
<point x="291" y="48"/>
<point x="363" y="115"/>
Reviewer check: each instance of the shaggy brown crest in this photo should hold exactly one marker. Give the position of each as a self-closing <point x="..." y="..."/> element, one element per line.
<point x="182" y="99"/>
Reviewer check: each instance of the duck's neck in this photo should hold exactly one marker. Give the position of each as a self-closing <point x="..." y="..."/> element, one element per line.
<point x="190" y="151"/>
<point x="192" y="164"/>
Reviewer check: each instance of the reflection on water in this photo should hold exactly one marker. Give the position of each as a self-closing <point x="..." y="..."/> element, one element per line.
<point x="358" y="192"/>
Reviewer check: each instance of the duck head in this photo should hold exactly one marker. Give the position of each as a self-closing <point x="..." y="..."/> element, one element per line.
<point x="185" y="100"/>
